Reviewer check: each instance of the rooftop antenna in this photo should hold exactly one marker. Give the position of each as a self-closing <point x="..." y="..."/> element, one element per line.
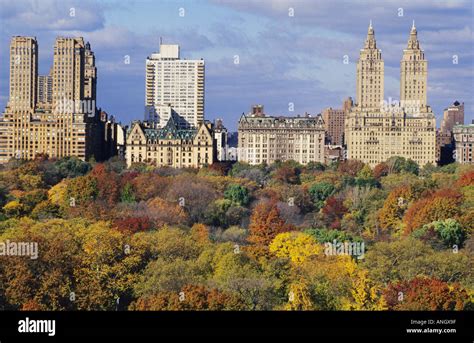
<point x="413" y="26"/>
<point x="370" y="23"/>
<point x="161" y="40"/>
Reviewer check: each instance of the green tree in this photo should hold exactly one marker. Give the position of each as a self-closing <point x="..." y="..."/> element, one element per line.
<point x="320" y="192"/>
<point x="237" y="194"/>
<point x="127" y="194"/>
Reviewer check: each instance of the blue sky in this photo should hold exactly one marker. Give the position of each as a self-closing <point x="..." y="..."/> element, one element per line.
<point x="282" y="59"/>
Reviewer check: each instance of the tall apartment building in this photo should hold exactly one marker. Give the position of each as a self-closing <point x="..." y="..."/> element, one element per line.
<point x="370" y="74"/>
<point x="23" y="74"/>
<point x="68" y="124"/>
<point x="413" y="74"/>
<point x="464" y="142"/>
<point x="453" y="115"/>
<point x="172" y="82"/>
<point x="375" y="130"/>
<point x="171" y="145"/>
<point x="334" y="121"/>
<point x="266" y="139"/>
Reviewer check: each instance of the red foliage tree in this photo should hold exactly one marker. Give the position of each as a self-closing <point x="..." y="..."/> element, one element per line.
<point x="131" y="225"/>
<point x="350" y="167"/>
<point x="423" y="294"/>
<point x="466" y="179"/>
<point x="108" y="183"/>
<point x="333" y="212"/>
<point x="380" y="170"/>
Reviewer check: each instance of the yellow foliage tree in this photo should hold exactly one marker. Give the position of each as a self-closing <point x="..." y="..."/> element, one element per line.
<point x="365" y="294"/>
<point x="296" y="246"/>
<point x="299" y="297"/>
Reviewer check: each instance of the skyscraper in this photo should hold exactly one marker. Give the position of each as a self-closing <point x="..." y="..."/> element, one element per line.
<point x="174" y="84"/>
<point x="413" y="74"/>
<point x="370" y="74"/>
<point x="374" y="133"/>
<point x="23" y="74"/>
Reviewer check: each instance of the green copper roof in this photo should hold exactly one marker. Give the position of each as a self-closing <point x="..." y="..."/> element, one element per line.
<point x="170" y="131"/>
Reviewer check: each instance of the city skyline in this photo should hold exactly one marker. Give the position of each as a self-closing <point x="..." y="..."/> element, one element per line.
<point x="282" y="59"/>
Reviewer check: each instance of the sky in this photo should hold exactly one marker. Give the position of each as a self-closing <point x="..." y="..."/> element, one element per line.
<point x="290" y="53"/>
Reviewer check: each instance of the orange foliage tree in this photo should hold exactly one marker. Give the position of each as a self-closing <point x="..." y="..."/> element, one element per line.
<point x="191" y="298"/>
<point x="441" y="205"/>
<point x="423" y="294"/>
<point x="265" y="224"/>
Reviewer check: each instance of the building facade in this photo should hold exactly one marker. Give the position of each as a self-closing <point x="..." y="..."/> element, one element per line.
<point x="45" y="90"/>
<point x="370" y="74"/>
<point x="266" y="139"/>
<point x="334" y="122"/>
<point x="376" y="130"/>
<point x="464" y="141"/>
<point x="453" y="115"/>
<point x="170" y="146"/>
<point x="65" y="124"/>
<point x="175" y="84"/>
<point x="220" y="137"/>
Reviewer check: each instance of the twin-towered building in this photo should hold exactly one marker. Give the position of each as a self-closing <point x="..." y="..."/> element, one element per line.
<point x="372" y="129"/>
<point x="377" y="129"/>
<point x="51" y="114"/>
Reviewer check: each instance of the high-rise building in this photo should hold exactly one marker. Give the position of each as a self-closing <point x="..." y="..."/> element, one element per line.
<point x="67" y="123"/>
<point x="464" y="142"/>
<point x="370" y="74"/>
<point x="23" y="74"/>
<point x="334" y="120"/>
<point x="453" y="115"/>
<point x="266" y="139"/>
<point x="374" y="133"/>
<point x="172" y="82"/>
<point x="413" y="74"/>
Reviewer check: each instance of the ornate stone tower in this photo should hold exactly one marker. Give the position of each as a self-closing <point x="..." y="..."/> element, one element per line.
<point x="413" y="75"/>
<point x="370" y="74"/>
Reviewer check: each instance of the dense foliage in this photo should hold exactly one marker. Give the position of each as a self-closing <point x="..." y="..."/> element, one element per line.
<point x="237" y="237"/>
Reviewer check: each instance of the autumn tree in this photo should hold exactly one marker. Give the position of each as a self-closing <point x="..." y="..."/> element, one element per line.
<point x="391" y="214"/>
<point x="441" y="205"/>
<point x="296" y="246"/>
<point x="265" y="225"/>
<point x="426" y="294"/>
<point x="333" y="212"/>
<point x="189" y="298"/>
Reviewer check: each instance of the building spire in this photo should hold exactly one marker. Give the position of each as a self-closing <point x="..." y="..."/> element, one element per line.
<point x="370" y="41"/>
<point x="413" y="42"/>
